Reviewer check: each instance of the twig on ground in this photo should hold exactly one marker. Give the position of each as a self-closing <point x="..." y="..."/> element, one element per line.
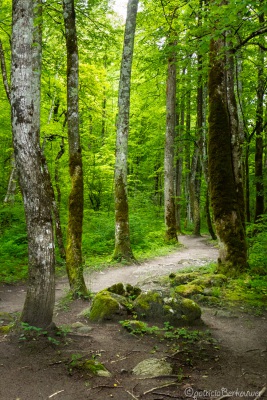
<point x="106" y="387"/>
<point x="131" y="394"/>
<point x="160" y="387"/>
<point x="166" y="395"/>
<point x="54" y="394"/>
<point x="263" y="390"/>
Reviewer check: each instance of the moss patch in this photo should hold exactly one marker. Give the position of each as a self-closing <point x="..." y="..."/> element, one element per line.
<point x="104" y="307"/>
<point x="188" y="290"/>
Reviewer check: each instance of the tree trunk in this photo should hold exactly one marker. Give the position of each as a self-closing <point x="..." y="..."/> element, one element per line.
<point x="25" y="107"/>
<point x="123" y="250"/>
<point x="74" y="262"/>
<point x="259" y="204"/>
<point x="236" y="135"/>
<point x="228" y="222"/>
<point x="169" y="193"/>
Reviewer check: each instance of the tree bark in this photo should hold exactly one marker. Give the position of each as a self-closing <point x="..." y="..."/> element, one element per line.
<point x="74" y="262"/>
<point x="169" y="193"/>
<point x="123" y="250"/>
<point x="236" y="135"/>
<point x="259" y="204"/>
<point x="25" y="107"/>
<point x="228" y="222"/>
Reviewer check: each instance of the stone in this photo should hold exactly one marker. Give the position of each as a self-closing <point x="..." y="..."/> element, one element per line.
<point x="105" y="306"/>
<point x="174" y="309"/>
<point x="153" y="367"/>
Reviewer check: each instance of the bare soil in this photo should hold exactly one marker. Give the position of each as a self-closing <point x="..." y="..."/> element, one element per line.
<point x="231" y="362"/>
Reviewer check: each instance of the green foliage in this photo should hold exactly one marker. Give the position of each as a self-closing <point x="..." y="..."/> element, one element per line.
<point x="92" y="365"/>
<point x="168" y="332"/>
<point x="30" y="332"/>
<point x="13" y="244"/>
<point x="139" y="327"/>
<point x="257" y="240"/>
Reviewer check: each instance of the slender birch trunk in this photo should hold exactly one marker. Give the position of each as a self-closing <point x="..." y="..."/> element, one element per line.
<point x="74" y="262"/>
<point x="123" y="250"/>
<point x="25" y="107"/>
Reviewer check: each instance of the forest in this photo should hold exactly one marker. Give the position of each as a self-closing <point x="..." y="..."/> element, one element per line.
<point x="117" y="136"/>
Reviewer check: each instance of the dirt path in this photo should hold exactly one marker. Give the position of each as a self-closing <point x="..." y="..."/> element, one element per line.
<point x="236" y="364"/>
<point x="195" y="251"/>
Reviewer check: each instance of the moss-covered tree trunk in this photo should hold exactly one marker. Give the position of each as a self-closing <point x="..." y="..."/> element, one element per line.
<point x="259" y="203"/>
<point x="169" y="192"/>
<point x="30" y="163"/>
<point x="228" y="222"/>
<point x="74" y="262"/>
<point x="123" y="250"/>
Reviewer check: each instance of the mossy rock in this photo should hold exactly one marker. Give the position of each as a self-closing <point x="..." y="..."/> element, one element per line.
<point x="174" y="309"/>
<point x="207" y="300"/>
<point x="216" y="280"/>
<point x="149" y="305"/>
<point x="191" y="310"/>
<point x="188" y="290"/>
<point x="118" y="288"/>
<point x="180" y="310"/>
<point x="127" y="290"/>
<point x="105" y="306"/>
<point x="183" y="278"/>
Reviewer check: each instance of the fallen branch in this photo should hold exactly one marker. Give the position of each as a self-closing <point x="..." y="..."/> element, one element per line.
<point x="160" y="387"/>
<point x="263" y="390"/>
<point x="54" y="394"/>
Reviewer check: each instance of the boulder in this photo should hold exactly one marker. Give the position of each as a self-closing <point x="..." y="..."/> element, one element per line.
<point x="105" y="306"/>
<point x="174" y="309"/>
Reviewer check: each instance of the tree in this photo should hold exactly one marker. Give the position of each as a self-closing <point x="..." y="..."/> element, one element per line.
<point x="123" y="249"/>
<point x="74" y="262"/>
<point x="228" y="222"/>
<point x="34" y="182"/>
<point x="169" y="202"/>
<point x="259" y="204"/>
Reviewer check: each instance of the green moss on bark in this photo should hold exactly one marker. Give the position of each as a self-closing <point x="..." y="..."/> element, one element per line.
<point x="74" y="264"/>
<point x="228" y="223"/>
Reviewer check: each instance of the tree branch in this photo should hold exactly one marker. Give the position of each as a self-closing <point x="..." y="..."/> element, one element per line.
<point x="4" y="73"/>
<point x="259" y="32"/>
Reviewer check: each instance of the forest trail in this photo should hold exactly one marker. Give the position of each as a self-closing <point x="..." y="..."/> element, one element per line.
<point x="236" y="362"/>
<point x="195" y="251"/>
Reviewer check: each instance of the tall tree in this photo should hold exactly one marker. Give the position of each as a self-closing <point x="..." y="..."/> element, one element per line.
<point x="228" y="221"/>
<point x="169" y="192"/>
<point x="259" y="204"/>
<point x="123" y="250"/>
<point x="74" y="262"/>
<point x="34" y="182"/>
